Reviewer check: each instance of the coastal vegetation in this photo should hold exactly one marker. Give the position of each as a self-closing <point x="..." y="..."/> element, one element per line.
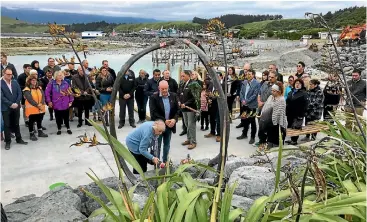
<point x="181" y="25"/>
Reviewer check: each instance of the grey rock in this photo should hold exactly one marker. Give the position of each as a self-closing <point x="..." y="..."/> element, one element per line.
<point x="209" y="181"/>
<point x="60" y="204"/>
<point x="347" y="69"/>
<point x="294" y="162"/>
<point x="242" y="202"/>
<point x="22" y="208"/>
<point x="88" y="205"/>
<point x="140" y="200"/>
<point x="253" y="181"/>
<point x="363" y="74"/>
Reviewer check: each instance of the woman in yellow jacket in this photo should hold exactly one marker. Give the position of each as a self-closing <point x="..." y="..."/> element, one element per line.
<point x="34" y="106"/>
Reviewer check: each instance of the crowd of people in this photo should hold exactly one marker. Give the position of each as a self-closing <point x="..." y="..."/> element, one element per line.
<point x="265" y="105"/>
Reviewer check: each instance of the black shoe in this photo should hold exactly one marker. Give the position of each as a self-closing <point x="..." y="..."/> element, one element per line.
<point x="26" y="124"/>
<point x="243" y="136"/>
<point x="88" y="123"/>
<point x="51" y="118"/>
<point x="133" y="125"/>
<point x="33" y="137"/>
<point x="252" y="140"/>
<point x="121" y="125"/>
<point x="239" y="125"/>
<point x="44" y="128"/>
<point x="206" y="128"/>
<point x="202" y="128"/>
<point x="183" y="133"/>
<point x="293" y="143"/>
<point x="288" y="141"/>
<point x="79" y="125"/>
<point x="22" y="142"/>
<point x="42" y="134"/>
<point x="7" y="146"/>
<point x="58" y="132"/>
<point x="69" y="132"/>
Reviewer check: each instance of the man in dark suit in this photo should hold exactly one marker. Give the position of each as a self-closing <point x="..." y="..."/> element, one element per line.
<point x="5" y="64"/>
<point x="10" y="107"/>
<point x="151" y="86"/>
<point x="187" y="99"/>
<point x="164" y="106"/>
<point x="126" y="98"/>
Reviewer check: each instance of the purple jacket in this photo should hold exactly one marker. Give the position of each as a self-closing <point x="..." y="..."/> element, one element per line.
<point x="53" y="94"/>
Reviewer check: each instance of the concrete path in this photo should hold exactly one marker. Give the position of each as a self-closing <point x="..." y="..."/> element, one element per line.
<point x="31" y="169"/>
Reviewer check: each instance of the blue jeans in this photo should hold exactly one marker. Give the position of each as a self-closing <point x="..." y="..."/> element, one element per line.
<point x="166" y="136"/>
<point x="104" y="98"/>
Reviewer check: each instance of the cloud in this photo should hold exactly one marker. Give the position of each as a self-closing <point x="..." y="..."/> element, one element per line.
<point x="178" y="10"/>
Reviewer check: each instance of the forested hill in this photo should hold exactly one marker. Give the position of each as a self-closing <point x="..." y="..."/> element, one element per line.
<point x="233" y="19"/>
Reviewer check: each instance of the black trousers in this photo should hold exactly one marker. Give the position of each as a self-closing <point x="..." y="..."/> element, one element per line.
<point x="83" y="105"/>
<point x="11" y="124"/>
<point x="143" y="162"/>
<point x="141" y="102"/>
<point x="129" y="103"/>
<point x="290" y="121"/>
<point x="230" y="101"/>
<point x="273" y="134"/>
<point x="213" y="112"/>
<point x="204" y="118"/>
<point x="35" y="118"/>
<point x="62" y="116"/>
<point x="51" y="111"/>
<point x="326" y="114"/>
<point x="248" y="121"/>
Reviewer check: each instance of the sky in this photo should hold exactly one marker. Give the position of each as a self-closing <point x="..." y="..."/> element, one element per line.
<point x="179" y="10"/>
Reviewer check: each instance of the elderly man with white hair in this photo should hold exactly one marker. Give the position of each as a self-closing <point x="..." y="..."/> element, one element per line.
<point x="141" y="139"/>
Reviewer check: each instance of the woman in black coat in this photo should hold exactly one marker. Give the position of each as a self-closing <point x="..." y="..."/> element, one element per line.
<point x="234" y="87"/>
<point x="297" y="103"/>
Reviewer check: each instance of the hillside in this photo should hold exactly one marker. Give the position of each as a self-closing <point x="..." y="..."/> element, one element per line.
<point x="35" y="16"/>
<point x="157" y="25"/>
<point x="5" y="20"/>
<point x="10" y="25"/>
<point x="338" y="19"/>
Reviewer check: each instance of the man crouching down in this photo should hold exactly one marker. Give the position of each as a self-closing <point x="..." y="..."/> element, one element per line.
<point x="141" y="139"/>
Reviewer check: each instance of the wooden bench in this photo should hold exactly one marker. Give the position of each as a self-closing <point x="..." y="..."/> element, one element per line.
<point x="309" y="129"/>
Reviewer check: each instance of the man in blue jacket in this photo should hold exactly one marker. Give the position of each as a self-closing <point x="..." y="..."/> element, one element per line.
<point x="248" y="97"/>
<point x="141" y="139"/>
<point x="10" y="107"/>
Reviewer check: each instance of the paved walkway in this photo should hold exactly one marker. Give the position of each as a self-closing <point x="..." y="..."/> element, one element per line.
<point x="31" y="169"/>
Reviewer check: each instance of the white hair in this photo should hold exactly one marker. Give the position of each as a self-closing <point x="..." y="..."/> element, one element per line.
<point x="33" y="71"/>
<point x="159" y="125"/>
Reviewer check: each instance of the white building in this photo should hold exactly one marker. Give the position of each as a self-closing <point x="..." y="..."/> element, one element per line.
<point x="92" y="34"/>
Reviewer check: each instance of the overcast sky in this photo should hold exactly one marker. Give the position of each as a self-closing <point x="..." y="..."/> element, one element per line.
<point x="179" y="10"/>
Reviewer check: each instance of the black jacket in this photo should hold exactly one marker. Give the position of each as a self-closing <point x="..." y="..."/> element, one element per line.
<point x="81" y="82"/>
<point x="235" y="87"/>
<point x="332" y="93"/>
<point x="172" y="84"/>
<point x="140" y="84"/>
<point x="186" y="97"/>
<point x="22" y="78"/>
<point x="127" y="86"/>
<point x="151" y="87"/>
<point x="297" y="104"/>
<point x="43" y="82"/>
<point x="157" y="108"/>
<point x="103" y="83"/>
<point x="358" y="89"/>
<point x="12" y="67"/>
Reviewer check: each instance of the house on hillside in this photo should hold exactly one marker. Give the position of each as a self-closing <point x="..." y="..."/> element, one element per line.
<point x="92" y="34"/>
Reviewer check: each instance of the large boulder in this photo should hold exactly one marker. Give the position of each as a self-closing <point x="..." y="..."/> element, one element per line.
<point x="242" y="202"/>
<point x="253" y="181"/>
<point x="60" y="204"/>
